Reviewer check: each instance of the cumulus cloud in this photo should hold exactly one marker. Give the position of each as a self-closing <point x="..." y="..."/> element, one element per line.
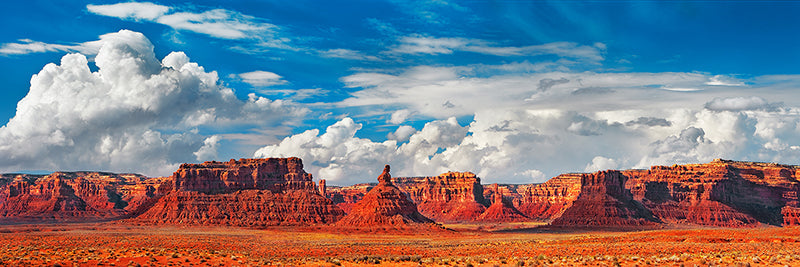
<point x="402" y="134"/>
<point x="399" y="116"/>
<point x="600" y="163"/>
<point x="135" y="113"/>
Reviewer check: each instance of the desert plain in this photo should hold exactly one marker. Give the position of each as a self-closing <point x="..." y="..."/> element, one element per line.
<point x="502" y="244"/>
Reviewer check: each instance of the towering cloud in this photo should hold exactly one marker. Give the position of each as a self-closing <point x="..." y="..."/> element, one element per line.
<point x="135" y="113"/>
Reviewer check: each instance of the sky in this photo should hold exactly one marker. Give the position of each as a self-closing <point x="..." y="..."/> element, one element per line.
<point x="514" y="91"/>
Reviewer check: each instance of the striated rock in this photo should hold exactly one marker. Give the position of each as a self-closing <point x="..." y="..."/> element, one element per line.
<point x="384" y="206"/>
<point x="501" y="210"/>
<point x="75" y="196"/>
<point x="247" y="192"/>
<point x="346" y="197"/>
<point x="274" y="174"/>
<point x="550" y="199"/>
<point x="604" y="201"/>
<point x="720" y="193"/>
<point x="243" y="208"/>
<point x="448" y="197"/>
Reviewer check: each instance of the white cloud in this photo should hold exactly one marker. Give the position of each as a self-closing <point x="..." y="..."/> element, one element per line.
<point x="402" y="134"/>
<point x="261" y="78"/>
<point x="347" y="54"/>
<point x="721" y="80"/>
<point x="417" y="44"/>
<point x="217" y="23"/>
<point x="739" y="103"/>
<point x="130" y="10"/>
<point x="399" y="116"/>
<point x="600" y="163"/>
<point x="135" y="113"/>
<point x="209" y="149"/>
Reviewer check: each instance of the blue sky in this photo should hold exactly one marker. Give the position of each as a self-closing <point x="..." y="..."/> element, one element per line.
<point x="514" y="91"/>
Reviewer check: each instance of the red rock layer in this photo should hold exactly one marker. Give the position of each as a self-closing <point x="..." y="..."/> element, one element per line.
<point x="273" y="191"/>
<point x="720" y="193"/>
<point x="448" y="197"/>
<point x="604" y="201"/>
<point x="244" y="208"/>
<point x="75" y="196"/>
<point x="346" y="197"/>
<point x="501" y="210"/>
<point x="384" y="206"/>
<point x="274" y="174"/>
<point x="550" y="199"/>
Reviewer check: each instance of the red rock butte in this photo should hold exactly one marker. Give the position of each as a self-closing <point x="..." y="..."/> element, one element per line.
<point x="247" y="192"/>
<point x="384" y="206"/>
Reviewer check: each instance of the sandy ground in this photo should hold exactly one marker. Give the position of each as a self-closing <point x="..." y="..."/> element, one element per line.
<point x="520" y="244"/>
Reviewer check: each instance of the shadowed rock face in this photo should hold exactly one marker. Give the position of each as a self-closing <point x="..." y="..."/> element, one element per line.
<point x="247" y="192"/>
<point x="501" y="210"/>
<point x="448" y="197"/>
<point x="74" y="196"/>
<point x="274" y="174"/>
<point x="719" y="193"/>
<point x="604" y="201"/>
<point x="384" y="206"/>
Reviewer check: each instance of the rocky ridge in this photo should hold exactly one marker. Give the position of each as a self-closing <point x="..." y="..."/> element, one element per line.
<point x="75" y="196"/>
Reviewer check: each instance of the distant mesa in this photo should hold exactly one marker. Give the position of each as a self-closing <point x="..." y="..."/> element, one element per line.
<point x="277" y="191"/>
<point x="384" y="206"/>
<point x="74" y="196"/>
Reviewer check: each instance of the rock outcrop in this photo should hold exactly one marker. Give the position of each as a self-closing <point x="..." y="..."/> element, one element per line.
<point x="448" y="197"/>
<point x="548" y="200"/>
<point x="501" y="210"/>
<point x="247" y="192"/>
<point x="604" y="201"/>
<point x="75" y="196"/>
<point x="384" y="206"/>
<point x="720" y="193"/>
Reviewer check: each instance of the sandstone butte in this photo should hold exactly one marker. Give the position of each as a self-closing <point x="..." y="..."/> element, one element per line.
<point x="245" y="192"/>
<point x="720" y="193"/>
<point x="74" y="196"/>
<point x="385" y="207"/>
<point x="277" y="192"/>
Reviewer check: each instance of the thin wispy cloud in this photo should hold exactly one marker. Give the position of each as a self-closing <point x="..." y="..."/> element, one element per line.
<point x="217" y="23"/>
<point x="418" y="44"/>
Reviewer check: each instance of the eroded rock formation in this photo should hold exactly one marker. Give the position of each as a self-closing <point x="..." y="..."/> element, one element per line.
<point x="604" y="201"/>
<point x="384" y="206"/>
<point x="720" y="193"/>
<point x="501" y="210"/>
<point x="448" y="197"/>
<point x="75" y="196"/>
<point x="246" y="192"/>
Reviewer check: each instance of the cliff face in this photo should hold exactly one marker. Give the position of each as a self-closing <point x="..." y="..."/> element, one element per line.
<point x="501" y="210"/>
<point x="720" y="193"/>
<point x="604" y="201"/>
<point x="448" y="197"/>
<point x="550" y="199"/>
<point x="75" y="196"/>
<point x="384" y="206"/>
<point x="247" y="192"/>
<point x="274" y="174"/>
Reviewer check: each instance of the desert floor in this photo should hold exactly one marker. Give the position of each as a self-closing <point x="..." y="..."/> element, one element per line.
<point x="114" y="244"/>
